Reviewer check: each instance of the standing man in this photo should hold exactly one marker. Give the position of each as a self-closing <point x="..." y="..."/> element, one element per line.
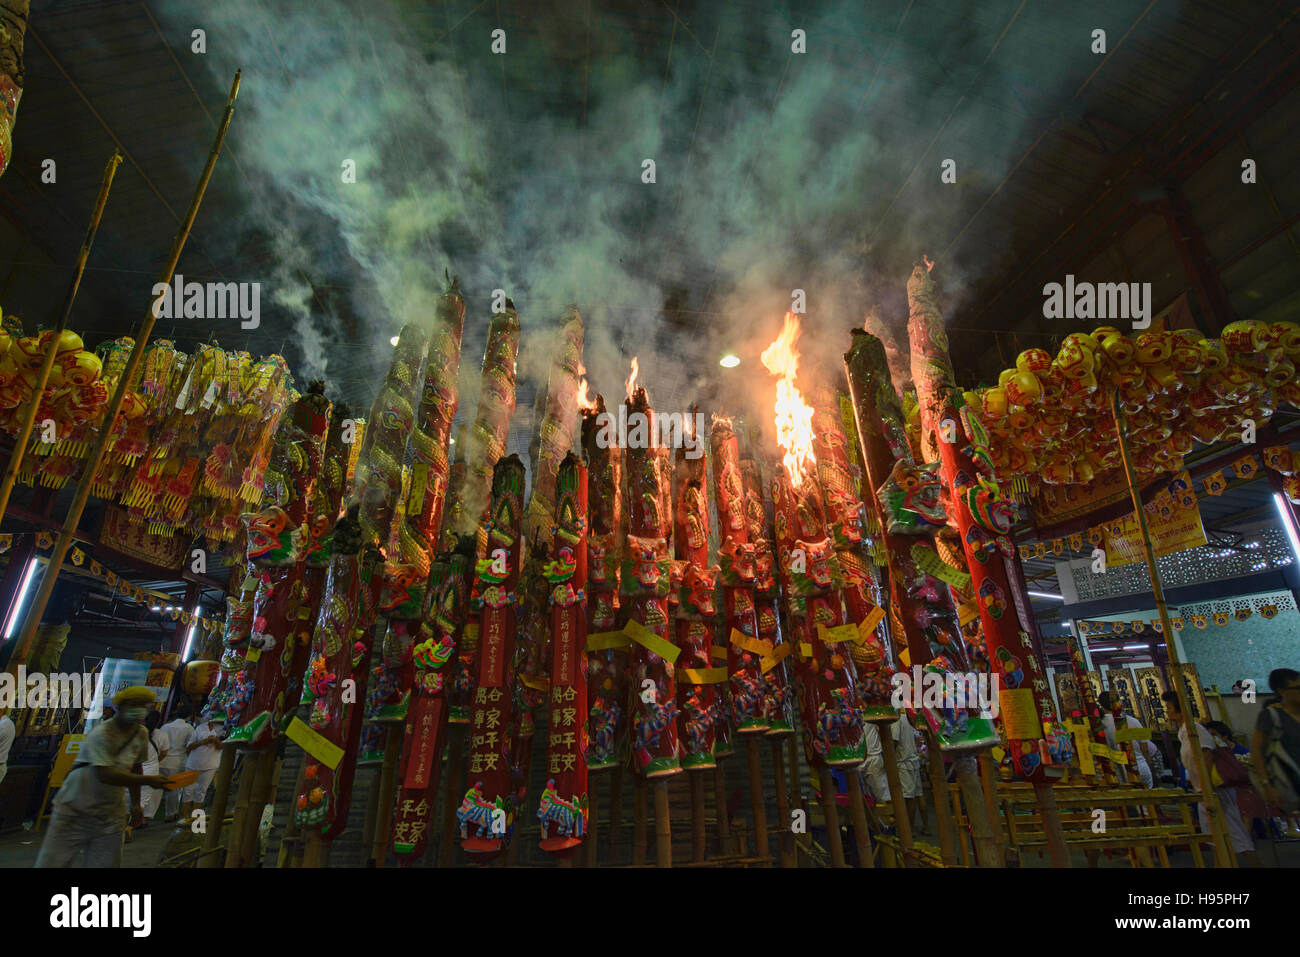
<point x="1143" y="750"/>
<point x="204" y="755"/>
<point x="1238" y="835"/>
<point x="171" y="739"/>
<point x="90" y="811"/>
<point x="6" y="741"/>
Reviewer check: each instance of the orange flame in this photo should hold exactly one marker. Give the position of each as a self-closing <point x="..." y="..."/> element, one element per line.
<point x="631" y="380"/>
<point x="584" y="401"/>
<point x="794" y="430"/>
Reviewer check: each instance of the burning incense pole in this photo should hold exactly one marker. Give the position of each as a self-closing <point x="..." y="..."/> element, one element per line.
<point x="278" y="536"/>
<point x="746" y="650"/>
<point x="607" y="648"/>
<point x="563" y="810"/>
<point x="983" y="517"/>
<point x="645" y="582"/>
<point x="344" y="628"/>
<point x="489" y="803"/>
<point x="830" y="711"/>
<point x="557" y="407"/>
<point x="482" y="448"/>
<point x="446" y="608"/>
<point x="406" y="575"/>
<point x="695" y="581"/>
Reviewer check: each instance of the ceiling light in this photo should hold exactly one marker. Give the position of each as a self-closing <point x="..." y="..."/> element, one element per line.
<point x="1134" y="647"/>
<point x="11" y="620"/>
<point x="1044" y="594"/>
<point x="393" y="341"/>
<point x="189" y="638"/>
<point x="729" y="361"/>
<point x="1284" y="513"/>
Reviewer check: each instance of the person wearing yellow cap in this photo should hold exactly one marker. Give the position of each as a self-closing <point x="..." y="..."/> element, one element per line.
<point x="90" y="812"/>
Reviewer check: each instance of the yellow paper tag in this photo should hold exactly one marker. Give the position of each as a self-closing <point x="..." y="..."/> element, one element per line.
<point x="718" y="652"/>
<point x="306" y="737"/>
<point x="537" y="684"/>
<point x="998" y="754"/>
<point x="1132" y="734"/>
<point x="647" y="639"/>
<point x="805" y="649"/>
<point x="779" y="654"/>
<point x="702" y="676"/>
<point x="867" y="625"/>
<point x="968" y="612"/>
<point x="252" y="655"/>
<point x="929" y="562"/>
<point x="1019" y="714"/>
<point x="1083" y="748"/>
<point x="603" y="640"/>
<point x="756" y="646"/>
<point x="833" y="636"/>
<point x="905" y="658"/>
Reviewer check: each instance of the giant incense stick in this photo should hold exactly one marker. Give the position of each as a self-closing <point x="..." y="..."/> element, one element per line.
<point x="124" y="383"/>
<point x="13" y="27"/>
<point x="955" y="436"/>
<point x="563" y="808"/>
<point x="488" y="806"/>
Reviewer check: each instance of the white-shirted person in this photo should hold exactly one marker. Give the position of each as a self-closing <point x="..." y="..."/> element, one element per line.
<point x="204" y="754"/>
<point x="1238" y="835"/>
<point x="6" y="740"/>
<point x="171" y="739"/>
<point x="1143" y="751"/>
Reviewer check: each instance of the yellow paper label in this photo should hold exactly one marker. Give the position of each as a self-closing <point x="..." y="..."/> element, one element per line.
<point x="868" y="624"/>
<point x="1083" y="748"/>
<point x="805" y="649"/>
<point x="778" y="655"/>
<point x="647" y="639"/>
<point x="1019" y="714"/>
<point x="998" y="754"/>
<point x="718" y="652"/>
<point x="537" y="684"/>
<point x="968" y="612"/>
<point x="929" y="561"/>
<point x="703" y="676"/>
<point x="252" y="655"/>
<point x="603" y="640"/>
<point x="1132" y="734"/>
<point x="905" y="658"/>
<point x="755" y="646"/>
<point x="306" y="737"/>
<point x="833" y="636"/>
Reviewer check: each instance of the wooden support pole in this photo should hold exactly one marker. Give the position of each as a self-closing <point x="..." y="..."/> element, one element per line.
<point x="220" y="798"/>
<point x="316" y="852"/>
<point x="615" y="813"/>
<point x="789" y="856"/>
<point x="639" y="822"/>
<point x="263" y="777"/>
<point x="1223" y="855"/>
<point x="455" y="785"/>
<point x="290" y="855"/>
<point x="1052" y="829"/>
<point x="988" y="780"/>
<point x="942" y="811"/>
<point x="699" y="833"/>
<point x="52" y="350"/>
<point x="756" y="801"/>
<point x="858" y="814"/>
<point x="372" y="814"/>
<point x="593" y="819"/>
<point x="242" y="795"/>
<point x="663" y="825"/>
<point x="831" y="813"/>
<point x="386" y="796"/>
<point x="720" y="805"/>
<point x="986" y="846"/>
<point x="82" y="496"/>
<point x="902" y="817"/>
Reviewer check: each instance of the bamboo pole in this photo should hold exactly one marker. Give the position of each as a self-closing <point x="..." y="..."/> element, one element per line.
<point x="942" y="810"/>
<point x="789" y="857"/>
<point x="316" y="852"/>
<point x="372" y="815"/>
<point x="73" y="519"/>
<point x="47" y="363"/>
<point x="1223" y="855"/>
<point x="989" y="783"/>
<point x="663" y="826"/>
<point x="289" y="856"/>
<point x="638" y="822"/>
<point x="699" y="834"/>
<point x="720" y="806"/>
<point x="220" y="798"/>
<point x="756" y="801"/>
<point x="858" y="812"/>
<point x="263" y="775"/>
<point x="986" y="845"/>
<point x="902" y="817"/>
<point x="832" y="816"/>
<point x="241" y="811"/>
<point x="615" y="813"/>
